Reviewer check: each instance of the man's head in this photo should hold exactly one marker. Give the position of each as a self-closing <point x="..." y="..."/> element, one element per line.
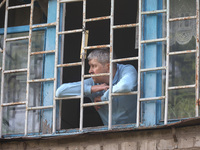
<point x="99" y="61"/>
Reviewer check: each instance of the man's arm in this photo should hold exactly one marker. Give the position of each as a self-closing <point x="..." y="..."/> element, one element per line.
<point x="127" y="82"/>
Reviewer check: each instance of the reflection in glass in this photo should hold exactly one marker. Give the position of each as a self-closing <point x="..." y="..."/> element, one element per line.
<point x="37" y="122"/>
<point x="37" y="96"/>
<point x="13" y="119"/>
<point x="37" y="43"/>
<point x="183" y="35"/>
<point x="36" y="67"/>
<point x="182" y="69"/>
<point x="15" y="87"/>
<point x="182" y="8"/>
<point x="181" y="104"/>
<point x="16" y="55"/>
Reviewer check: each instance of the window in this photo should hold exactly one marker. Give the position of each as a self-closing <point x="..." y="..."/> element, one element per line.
<point x="159" y="38"/>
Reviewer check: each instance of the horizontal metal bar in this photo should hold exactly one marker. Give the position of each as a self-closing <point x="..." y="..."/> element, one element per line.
<point x="125" y="59"/>
<point x="13" y="104"/>
<point x="40" y="107"/>
<point x="97" y="19"/>
<point x="42" y="52"/>
<point x="154" y="40"/>
<point x="125" y="26"/>
<point x="17" y="38"/>
<point x="15" y="71"/>
<point x="71" y="31"/>
<point x="41" y="80"/>
<point x="153" y="69"/>
<point x="2" y="3"/>
<point x="96" y="75"/>
<point x="129" y="93"/>
<point x="182" y="52"/>
<point x="97" y="46"/>
<point x="152" y="98"/>
<point x="153" y="12"/>
<point x="44" y="25"/>
<point x="182" y="18"/>
<point x="95" y="104"/>
<point x="19" y="6"/>
<point x="181" y="87"/>
<point x="68" y="97"/>
<point x="70" y="64"/>
<point x="68" y="1"/>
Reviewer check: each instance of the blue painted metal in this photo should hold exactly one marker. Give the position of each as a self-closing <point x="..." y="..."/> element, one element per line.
<point x="152" y="59"/>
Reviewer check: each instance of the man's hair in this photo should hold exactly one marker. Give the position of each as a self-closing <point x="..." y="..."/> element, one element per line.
<point x="102" y="55"/>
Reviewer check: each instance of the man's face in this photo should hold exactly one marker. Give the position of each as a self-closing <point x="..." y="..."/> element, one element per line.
<point x="96" y="68"/>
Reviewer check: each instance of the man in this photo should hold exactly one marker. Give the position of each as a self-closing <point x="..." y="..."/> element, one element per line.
<point x="97" y="88"/>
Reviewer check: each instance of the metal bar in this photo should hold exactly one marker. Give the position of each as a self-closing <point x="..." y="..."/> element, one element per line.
<point x="70" y="64"/>
<point x="125" y="26"/>
<point x="97" y="46"/>
<point x="153" y="41"/>
<point x="152" y="98"/>
<point x="28" y="66"/>
<point x="42" y="52"/>
<point x="41" y="80"/>
<point x="197" y="60"/>
<point x="3" y="64"/>
<point x="71" y="31"/>
<point x="19" y="6"/>
<point x="182" y="18"/>
<point x="97" y="19"/>
<point x="68" y="1"/>
<point x="13" y="104"/>
<point x="181" y="87"/>
<point x="182" y="52"/>
<point x="120" y="94"/>
<point x="111" y="66"/>
<point x="40" y="107"/>
<point x="44" y="25"/>
<point x="15" y="71"/>
<point x="56" y="63"/>
<point x="66" y="98"/>
<point x="167" y="66"/>
<point x="82" y="69"/>
<point x="0" y="68"/>
<point x="2" y="3"/>
<point x="139" y="64"/>
<point x="125" y="59"/>
<point x="17" y="38"/>
<point x="95" y="104"/>
<point x="153" y="69"/>
<point x="96" y="75"/>
<point x="153" y="12"/>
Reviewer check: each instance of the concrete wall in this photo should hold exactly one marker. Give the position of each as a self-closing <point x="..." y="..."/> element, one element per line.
<point x="157" y="139"/>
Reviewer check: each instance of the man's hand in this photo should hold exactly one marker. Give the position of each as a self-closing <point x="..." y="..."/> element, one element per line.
<point x="97" y="99"/>
<point x="101" y="87"/>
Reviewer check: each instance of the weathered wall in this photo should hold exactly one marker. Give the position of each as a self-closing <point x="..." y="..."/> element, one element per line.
<point x="157" y="139"/>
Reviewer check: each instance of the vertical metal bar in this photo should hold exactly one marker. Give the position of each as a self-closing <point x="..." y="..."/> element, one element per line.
<point x="28" y="66"/>
<point x="82" y="67"/>
<point x="139" y="64"/>
<point x="56" y="62"/>
<point x="3" y="63"/>
<point x="197" y="58"/>
<point x="167" y="66"/>
<point x="111" y="66"/>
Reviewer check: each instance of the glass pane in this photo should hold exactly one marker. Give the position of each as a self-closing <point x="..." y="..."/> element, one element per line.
<point x="16" y="55"/>
<point x="1" y="54"/>
<point x="40" y="11"/>
<point x="37" y="121"/>
<point x="182" y="8"/>
<point x="183" y="35"/>
<point x="37" y="43"/>
<point x="36" y="69"/>
<point x="182" y="69"/>
<point x="156" y="6"/>
<point x="181" y="104"/>
<point x="15" y="87"/>
<point x="37" y="95"/>
<point x="13" y="119"/>
<point x="153" y="78"/>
